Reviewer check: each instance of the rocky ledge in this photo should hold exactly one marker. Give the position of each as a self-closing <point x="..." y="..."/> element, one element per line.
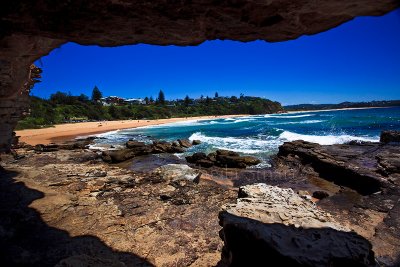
<point x="270" y="224"/>
<point x="351" y="218"/>
<point x="135" y="148"/>
<point x="222" y="158"/>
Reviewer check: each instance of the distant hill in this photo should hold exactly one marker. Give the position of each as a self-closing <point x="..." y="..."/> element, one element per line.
<point x="383" y="103"/>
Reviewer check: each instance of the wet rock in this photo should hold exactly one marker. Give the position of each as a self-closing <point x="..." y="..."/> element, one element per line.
<point x="165" y="147"/>
<point x="223" y="152"/>
<point x="196" y="142"/>
<point x="271" y="224"/>
<point x="196" y="157"/>
<point x="177" y="172"/>
<point x="134" y="144"/>
<point x="184" y="143"/>
<point x="390" y="136"/>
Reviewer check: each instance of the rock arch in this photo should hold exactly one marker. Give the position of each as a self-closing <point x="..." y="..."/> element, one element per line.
<point x="31" y="29"/>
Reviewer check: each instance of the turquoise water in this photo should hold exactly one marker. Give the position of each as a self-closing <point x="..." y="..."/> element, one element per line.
<point x="261" y="135"/>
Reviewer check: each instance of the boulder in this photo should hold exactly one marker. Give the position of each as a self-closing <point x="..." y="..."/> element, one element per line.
<point x="115" y="156"/>
<point x="165" y="147"/>
<point x="205" y="163"/>
<point x="269" y="224"/>
<point x="184" y="143"/>
<point x="177" y="172"/>
<point x="196" y="157"/>
<point x="223" y="152"/>
<point x="134" y="144"/>
<point x="196" y="142"/>
<point x="222" y="158"/>
<point x="390" y="136"/>
<point x="233" y="161"/>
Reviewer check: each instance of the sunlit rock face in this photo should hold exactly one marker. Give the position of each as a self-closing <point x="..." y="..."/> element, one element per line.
<point x="31" y="29"/>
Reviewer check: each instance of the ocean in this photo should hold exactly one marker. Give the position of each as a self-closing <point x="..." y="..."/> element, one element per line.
<point x="261" y="135"/>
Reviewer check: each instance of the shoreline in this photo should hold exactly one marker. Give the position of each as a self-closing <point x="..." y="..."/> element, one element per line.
<point x="68" y="131"/>
<point x="335" y="109"/>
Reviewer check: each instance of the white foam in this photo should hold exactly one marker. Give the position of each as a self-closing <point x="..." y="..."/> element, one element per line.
<point x="299" y="122"/>
<point x="324" y="139"/>
<point x="279" y="116"/>
<point x="242" y="145"/>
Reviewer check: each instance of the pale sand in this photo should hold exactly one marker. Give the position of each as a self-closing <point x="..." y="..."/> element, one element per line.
<point x="68" y="131"/>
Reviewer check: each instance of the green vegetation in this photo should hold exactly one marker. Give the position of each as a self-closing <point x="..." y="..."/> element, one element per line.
<point x="303" y="107"/>
<point x="64" y="107"/>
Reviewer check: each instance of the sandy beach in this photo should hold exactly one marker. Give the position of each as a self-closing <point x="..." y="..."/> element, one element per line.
<point x="68" y="131"/>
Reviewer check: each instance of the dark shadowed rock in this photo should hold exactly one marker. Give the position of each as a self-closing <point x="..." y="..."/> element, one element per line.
<point x="390" y="136"/>
<point x="320" y="194"/>
<point x="196" y="157"/>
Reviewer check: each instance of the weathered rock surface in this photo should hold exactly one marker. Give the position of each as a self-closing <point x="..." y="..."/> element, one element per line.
<point x="57" y="210"/>
<point x="371" y="211"/>
<point x="270" y="224"/>
<point x="31" y="29"/>
<point x="177" y="172"/>
<point x="390" y="136"/>
<point x="222" y="158"/>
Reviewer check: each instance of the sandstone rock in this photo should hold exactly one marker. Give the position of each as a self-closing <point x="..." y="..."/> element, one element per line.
<point x="271" y="224"/>
<point x="390" y="136"/>
<point x="177" y="172"/>
<point x="354" y="166"/>
<point x="185" y="143"/>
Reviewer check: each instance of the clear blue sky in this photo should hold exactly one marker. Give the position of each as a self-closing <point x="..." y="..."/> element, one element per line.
<point x="357" y="61"/>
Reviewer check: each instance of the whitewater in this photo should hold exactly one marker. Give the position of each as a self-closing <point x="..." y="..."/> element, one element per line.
<point x="261" y="135"/>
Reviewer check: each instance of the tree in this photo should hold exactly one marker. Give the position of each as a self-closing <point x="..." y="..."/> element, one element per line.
<point x="208" y="100"/>
<point x="146" y="100"/>
<point x="161" y="98"/>
<point x="83" y="98"/>
<point x="187" y="101"/>
<point x="216" y="95"/>
<point x="96" y="94"/>
<point x="151" y="99"/>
